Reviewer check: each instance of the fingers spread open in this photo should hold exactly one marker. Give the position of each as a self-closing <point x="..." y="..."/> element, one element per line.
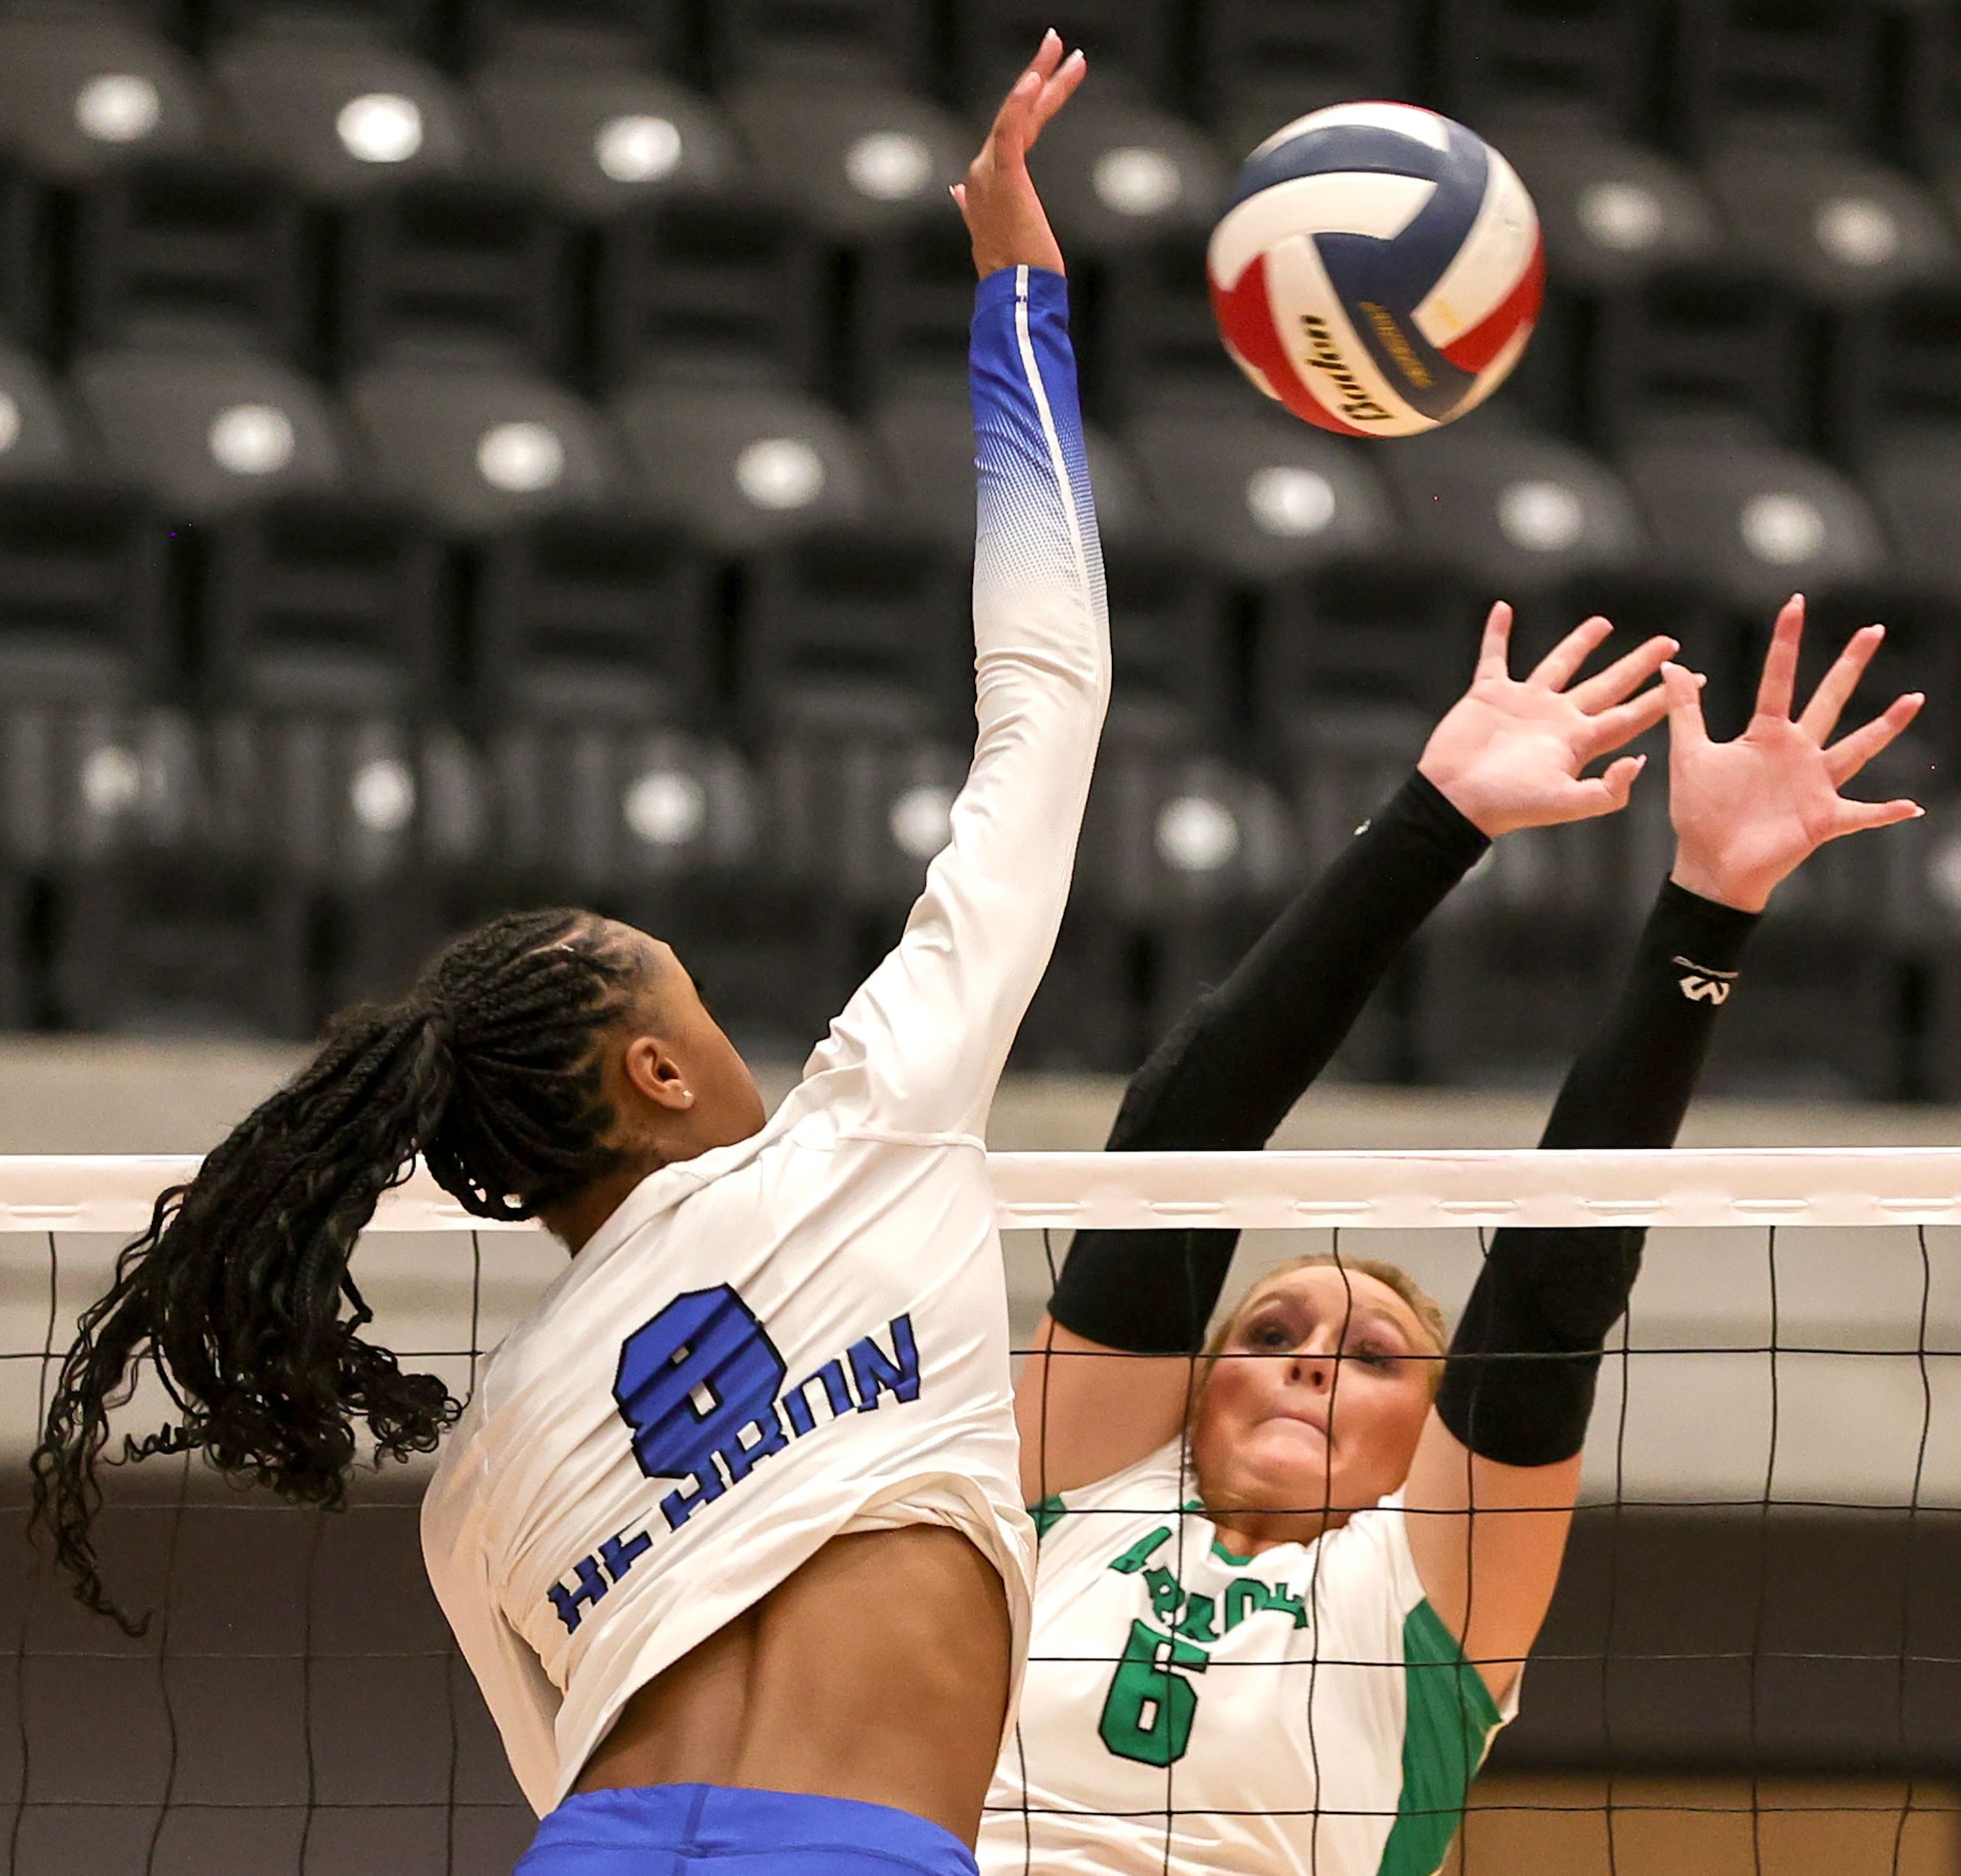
<point x="1780" y="680"/>
<point x="1835" y="689"/>
<point x="1495" y="651"/>
<point x="1556" y="670"/>
<point x="1847" y="756"/>
<point x="1626" y="721"/>
<point x="1624" y="675"/>
<point x="1684" y="694"/>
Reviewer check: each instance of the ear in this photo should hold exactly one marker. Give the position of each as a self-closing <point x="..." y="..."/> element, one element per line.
<point x="651" y="1071"/>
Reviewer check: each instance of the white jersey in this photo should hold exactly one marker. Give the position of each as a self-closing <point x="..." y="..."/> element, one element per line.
<point x="806" y="1335"/>
<point x="1190" y="1711"/>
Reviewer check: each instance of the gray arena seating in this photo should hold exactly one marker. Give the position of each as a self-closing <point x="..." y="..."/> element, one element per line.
<point x="553" y="414"/>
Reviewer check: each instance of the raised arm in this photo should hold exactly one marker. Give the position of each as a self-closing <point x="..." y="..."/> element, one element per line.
<point x="1508" y="754"/>
<point x="1510" y="1418"/>
<point x="931" y="1027"/>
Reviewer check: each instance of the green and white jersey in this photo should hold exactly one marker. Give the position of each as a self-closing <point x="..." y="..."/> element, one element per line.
<point x="1190" y="1711"/>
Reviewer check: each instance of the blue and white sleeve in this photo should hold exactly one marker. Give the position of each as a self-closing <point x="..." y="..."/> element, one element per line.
<point x="931" y="1027"/>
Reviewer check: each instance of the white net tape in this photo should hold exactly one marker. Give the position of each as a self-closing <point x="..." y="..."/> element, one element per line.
<point x="1847" y="1187"/>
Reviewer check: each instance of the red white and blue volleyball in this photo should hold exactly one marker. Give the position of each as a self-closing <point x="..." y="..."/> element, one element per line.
<point x="1379" y="270"/>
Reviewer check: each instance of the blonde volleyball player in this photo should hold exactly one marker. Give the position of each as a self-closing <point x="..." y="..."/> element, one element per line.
<point x="1302" y="1669"/>
<point x="730" y="1532"/>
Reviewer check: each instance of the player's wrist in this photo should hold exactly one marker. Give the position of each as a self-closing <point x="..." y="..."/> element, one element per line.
<point x="1708" y="877"/>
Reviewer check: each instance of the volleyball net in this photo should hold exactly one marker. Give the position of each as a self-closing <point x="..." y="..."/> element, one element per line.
<point x="1754" y="1663"/>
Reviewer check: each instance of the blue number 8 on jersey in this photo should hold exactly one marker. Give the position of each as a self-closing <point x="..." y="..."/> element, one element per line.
<point x="691" y="1383"/>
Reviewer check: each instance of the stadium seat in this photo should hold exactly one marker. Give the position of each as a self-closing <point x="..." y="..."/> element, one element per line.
<point x="1150" y="338"/>
<point x="1803" y="70"/>
<point x="21" y="960"/>
<point x="598" y="138"/>
<point x="745" y="466"/>
<point x="1514" y="511"/>
<point x="24" y="254"/>
<point x="858" y="157"/>
<point x="1698" y="340"/>
<point x="1928" y="96"/>
<point x="855" y="626"/>
<point x="1120" y="171"/>
<point x="342" y="116"/>
<point x="177" y="249"/>
<point x="1260" y="64"/>
<point x="1895" y="364"/>
<point x="1522" y="517"/>
<point x="595" y="617"/>
<point x="604" y="810"/>
<point x="86" y="92"/>
<point x="1256" y="492"/>
<point x="211" y="430"/>
<point x="329" y="602"/>
<point x="912" y="306"/>
<point x="455" y="270"/>
<point x="84" y="593"/>
<point x="618" y="34"/>
<point x="1564" y="97"/>
<point x="168" y="945"/>
<point x="37" y="438"/>
<point x="483" y="450"/>
<point x="1518" y="961"/>
<point x="1754" y="521"/>
<point x="891" y="40"/>
<point x="1839" y="226"/>
<point x="1912" y="474"/>
<point x="702" y="289"/>
<point x="1779" y="104"/>
<point x="1383" y="630"/>
<point x="413" y="24"/>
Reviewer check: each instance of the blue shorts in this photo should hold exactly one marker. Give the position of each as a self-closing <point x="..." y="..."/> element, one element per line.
<point x="668" y="1831"/>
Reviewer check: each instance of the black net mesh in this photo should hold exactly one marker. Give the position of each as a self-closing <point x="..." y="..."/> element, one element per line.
<point x="1753" y="1663"/>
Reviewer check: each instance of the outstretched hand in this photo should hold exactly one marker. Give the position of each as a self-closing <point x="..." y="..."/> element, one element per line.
<point x="1510" y="751"/>
<point x="1004" y="214"/>
<point x="1748" y="813"/>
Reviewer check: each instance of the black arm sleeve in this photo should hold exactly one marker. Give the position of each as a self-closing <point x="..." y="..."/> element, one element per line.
<point x="1241" y="1057"/>
<point x="1518" y="1384"/>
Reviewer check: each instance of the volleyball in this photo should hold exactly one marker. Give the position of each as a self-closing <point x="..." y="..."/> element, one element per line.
<point x="1380" y="269"/>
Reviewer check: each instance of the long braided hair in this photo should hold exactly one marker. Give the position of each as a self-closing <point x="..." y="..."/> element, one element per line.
<point x="233" y="1294"/>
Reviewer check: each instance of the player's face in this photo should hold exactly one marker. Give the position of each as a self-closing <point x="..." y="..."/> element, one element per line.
<point x="1318" y="1399"/>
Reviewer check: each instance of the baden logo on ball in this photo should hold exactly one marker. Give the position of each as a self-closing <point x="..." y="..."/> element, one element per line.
<point x="1378" y="271"/>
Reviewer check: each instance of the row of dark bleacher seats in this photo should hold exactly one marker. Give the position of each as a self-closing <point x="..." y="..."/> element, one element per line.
<point x="317" y="188"/>
<point x="453" y="454"/>
<point x="199" y="527"/>
<point x="252" y="874"/>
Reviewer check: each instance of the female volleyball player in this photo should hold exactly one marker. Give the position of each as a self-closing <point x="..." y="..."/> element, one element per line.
<point x="1279" y="1678"/>
<point x="730" y="1532"/>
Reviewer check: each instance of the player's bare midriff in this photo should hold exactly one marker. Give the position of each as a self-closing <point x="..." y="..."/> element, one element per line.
<point x="878" y="1671"/>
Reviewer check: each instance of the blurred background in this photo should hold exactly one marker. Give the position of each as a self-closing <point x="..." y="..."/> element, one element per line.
<point x="464" y="453"/>
<point x="461" y="454"/>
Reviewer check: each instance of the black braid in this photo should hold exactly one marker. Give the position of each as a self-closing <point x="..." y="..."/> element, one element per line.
<point x="234" y="1293"/>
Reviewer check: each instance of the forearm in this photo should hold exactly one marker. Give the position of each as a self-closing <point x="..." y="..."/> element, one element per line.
<point x="1518" y="1384"/>
<point x="1242" y="1055"/>
<point x="933" y="1024"/>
